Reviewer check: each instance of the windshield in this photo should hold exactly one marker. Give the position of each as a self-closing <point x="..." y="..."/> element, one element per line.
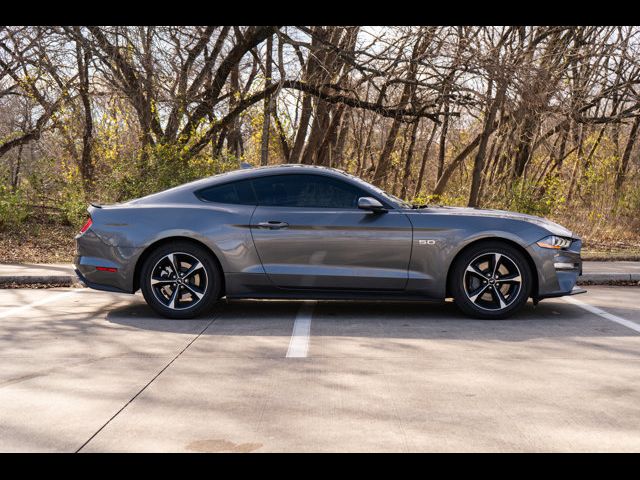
<point x="392" y="199"/>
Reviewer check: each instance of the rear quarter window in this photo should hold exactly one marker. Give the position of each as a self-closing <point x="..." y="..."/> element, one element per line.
<point x="235" y="193"/>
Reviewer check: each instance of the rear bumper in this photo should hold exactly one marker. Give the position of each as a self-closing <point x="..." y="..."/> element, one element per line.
<point x="92" y="252"/>
<point x="97" y="286"/>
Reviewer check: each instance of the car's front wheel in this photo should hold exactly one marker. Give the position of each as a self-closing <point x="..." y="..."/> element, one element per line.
<point x="180" y="280"/>
<point x="491" y="280"/>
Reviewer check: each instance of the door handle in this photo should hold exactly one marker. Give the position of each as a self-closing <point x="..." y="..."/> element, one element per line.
<point x="273" y="225"/>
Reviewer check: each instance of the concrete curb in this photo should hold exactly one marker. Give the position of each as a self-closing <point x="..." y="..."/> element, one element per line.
<point x="39" y="279"/>
<point x="595" y="278"/>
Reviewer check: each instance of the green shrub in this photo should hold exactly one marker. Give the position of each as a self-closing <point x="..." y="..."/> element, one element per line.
<point x="162" y="168"/>
<point x="74" y="205"/>
<point x="543" y="200"/>
<point x="13" y="207"/>
<point x="629" y="202"/>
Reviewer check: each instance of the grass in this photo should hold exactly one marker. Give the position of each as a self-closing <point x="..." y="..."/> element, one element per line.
<point x="632" y="255"/>
<point x="605" y="239"/>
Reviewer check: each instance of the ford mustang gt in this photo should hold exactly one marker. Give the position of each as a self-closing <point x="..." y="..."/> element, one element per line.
<point x="294" y="231"/>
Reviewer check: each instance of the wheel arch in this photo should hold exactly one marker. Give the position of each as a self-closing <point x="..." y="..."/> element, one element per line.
<point x="506" y="241"/>
<point x="150" y="248"/>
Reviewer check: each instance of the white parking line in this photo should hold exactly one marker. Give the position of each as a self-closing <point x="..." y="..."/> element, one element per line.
<point x="37" y="303"/>
<point x="299" y="343"/>
<point x="603" y="314"/>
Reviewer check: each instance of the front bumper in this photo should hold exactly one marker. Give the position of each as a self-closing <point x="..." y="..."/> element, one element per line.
<point x="573" y="291"/>
<point x="558" y="270"/>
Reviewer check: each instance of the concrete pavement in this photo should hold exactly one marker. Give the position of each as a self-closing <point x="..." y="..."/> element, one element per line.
<point x="95" y="371"/>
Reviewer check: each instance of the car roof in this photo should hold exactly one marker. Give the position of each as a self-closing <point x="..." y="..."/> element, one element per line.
<point x="286" y="168"/>
<point x="239" y="174"/>
<point x="278" y="169"/>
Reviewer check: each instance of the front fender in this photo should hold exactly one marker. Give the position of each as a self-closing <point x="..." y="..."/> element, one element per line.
<point x="438" y="239"/>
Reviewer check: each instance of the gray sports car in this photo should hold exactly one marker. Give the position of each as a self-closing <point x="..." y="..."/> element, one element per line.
<point x="296" y="231"/>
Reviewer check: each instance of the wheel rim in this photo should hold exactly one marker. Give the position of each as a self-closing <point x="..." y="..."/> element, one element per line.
<point x="179" y="281"/>
<point x="492" y="281"/>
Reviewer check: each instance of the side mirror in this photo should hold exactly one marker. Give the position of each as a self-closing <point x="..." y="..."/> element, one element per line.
<point x="371" y="204"/>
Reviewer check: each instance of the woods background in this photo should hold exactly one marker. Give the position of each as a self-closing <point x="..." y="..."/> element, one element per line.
<point x="541" y="120"/>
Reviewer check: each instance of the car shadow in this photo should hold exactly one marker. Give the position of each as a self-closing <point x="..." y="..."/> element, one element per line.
<point x="377" y="320"/>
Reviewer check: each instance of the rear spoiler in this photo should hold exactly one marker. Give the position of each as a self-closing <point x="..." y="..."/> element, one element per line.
<point x="95" y="205"/>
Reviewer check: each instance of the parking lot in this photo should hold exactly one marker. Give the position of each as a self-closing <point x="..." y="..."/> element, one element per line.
<point x="88" y="371"/>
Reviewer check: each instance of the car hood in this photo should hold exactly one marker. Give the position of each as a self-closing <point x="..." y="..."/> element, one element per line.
<point x="552" y="227"/>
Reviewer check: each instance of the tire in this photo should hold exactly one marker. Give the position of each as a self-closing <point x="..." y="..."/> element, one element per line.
<point x="480" y="293"/>
<point x="172" y="296"/>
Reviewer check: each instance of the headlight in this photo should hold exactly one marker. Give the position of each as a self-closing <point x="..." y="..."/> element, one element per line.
<point x="554" y="242"/>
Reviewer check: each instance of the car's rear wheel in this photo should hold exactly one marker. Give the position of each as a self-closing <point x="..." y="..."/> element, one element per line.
<point x="491" y="280"/>
<point x="180" y="280"/>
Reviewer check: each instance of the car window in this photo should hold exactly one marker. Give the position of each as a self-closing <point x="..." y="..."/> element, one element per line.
<point x="309" y="191"/>
<point x="239" y="193"/>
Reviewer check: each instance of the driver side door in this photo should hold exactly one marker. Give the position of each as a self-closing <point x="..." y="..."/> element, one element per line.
<point x="310" y="234"/>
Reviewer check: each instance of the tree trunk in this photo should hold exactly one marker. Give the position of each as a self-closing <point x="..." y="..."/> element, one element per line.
<point x="578" y="141"/>
<point x="443" y="141"/>
<point x="624" y="163"/>
<point x="234" y="136"/>
<point x="523" y="150"/>
<point x="320" y="68"/>
<point x="338" y="149"/>
<point x="448" y="171"/>
<point x="303" y="126"/>
<point x="15" y="172"/>
<point x="384" y="163"/>
<point x="268" y="107"/>
<point x="319" y="127"/>
<point x="483" y="178"/>
<point x="327" y="147"/>
<point x="425" y="157"/>
<point x="407" y="164"/>
<point x="478" y="165"/>
<point x="86" y="166"/>
<point x="286" y="150"/>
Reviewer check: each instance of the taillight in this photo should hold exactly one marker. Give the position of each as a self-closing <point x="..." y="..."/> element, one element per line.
<point x="86" y="225"/>
<point x="107" y="269"/>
